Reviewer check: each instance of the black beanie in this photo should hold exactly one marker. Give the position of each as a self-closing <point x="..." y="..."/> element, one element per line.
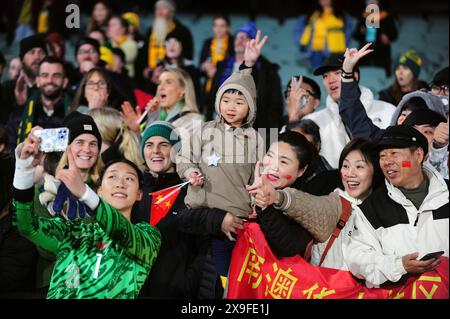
<point x="78" y="124"/>
<point x="87" y="40"/>
<point x="34" y="41"/>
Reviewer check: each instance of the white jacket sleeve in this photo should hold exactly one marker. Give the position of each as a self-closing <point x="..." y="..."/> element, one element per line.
<point x="364" y="255"/>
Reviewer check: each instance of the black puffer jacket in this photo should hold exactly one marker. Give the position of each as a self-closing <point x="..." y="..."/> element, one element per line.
<point x="183" y="267"/>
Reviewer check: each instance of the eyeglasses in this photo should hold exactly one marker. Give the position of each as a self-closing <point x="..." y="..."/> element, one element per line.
<point x="440" y="89"/>
<point x="101" y="84"/>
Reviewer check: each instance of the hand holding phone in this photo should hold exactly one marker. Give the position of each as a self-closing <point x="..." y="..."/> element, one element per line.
<point x="53" y="140"/>
<point x="432" y="255"/>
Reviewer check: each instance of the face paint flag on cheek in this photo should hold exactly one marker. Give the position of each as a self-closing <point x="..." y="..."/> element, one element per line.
<point x="406" y="164"/>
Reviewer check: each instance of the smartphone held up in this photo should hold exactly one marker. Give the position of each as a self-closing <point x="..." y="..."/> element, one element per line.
<point x="53" y="140"/>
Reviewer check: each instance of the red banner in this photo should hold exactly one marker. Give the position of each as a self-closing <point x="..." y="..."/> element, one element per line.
<point x="256" y="273"/>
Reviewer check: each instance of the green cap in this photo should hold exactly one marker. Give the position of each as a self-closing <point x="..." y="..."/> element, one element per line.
<point x="163" y="129"/>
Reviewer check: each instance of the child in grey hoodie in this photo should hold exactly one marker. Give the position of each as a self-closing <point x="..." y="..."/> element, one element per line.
<point x="220" y="158"/>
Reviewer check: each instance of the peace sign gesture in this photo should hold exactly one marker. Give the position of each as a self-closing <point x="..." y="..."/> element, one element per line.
<point x="253" y="49"/>
<point x="352" y="56"/>
<point x="293" y="101"/>
<point x="257" y="180"/>
<point x="71" y="176"/>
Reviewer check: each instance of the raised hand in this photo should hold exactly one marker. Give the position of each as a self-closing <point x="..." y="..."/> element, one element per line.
<point x="71" y="176"/>
<point x="262" y="190"/>
<point x="253" y="49"/>
<point x="131" y="116"/>
<point x="352" y="56"/>
<point x="257" y="179"/>
<point x="229" y="225"/>
<point x="31" y="147"/>
<point x="293" y="100"/>
<point x="440" y="138"/>
<point x="21" y="90"/>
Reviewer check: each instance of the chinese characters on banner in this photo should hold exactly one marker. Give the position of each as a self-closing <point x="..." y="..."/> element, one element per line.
<point x="256" y="273"/>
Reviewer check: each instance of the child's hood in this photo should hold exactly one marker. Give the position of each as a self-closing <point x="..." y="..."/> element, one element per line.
<point x="243" y="82"/>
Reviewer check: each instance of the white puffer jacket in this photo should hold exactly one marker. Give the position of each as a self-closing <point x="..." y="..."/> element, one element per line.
<point x="385" y="231"/>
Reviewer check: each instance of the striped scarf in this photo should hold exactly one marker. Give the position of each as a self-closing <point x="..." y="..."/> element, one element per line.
<point x="27" y="121"/>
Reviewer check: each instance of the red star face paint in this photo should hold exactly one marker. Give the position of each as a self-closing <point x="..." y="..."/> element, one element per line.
<point x="288" y="177"/>
<point x="406" y="164"/>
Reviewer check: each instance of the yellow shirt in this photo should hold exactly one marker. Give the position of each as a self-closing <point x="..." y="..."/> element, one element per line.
<point x="328" y="33"/>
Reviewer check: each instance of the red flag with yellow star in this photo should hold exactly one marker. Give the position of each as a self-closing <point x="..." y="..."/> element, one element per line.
<point x="162" y="202"/>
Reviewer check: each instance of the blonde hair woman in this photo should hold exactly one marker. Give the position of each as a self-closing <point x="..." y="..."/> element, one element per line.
<point x="117" y="139"/>
<point x="85" y="142"/>
<point x="175" y="102"/>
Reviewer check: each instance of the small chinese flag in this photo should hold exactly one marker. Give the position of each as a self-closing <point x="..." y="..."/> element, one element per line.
<point x="142" y="98"/>
<point x="406" y="164"/>
<point x="162" y="202"/>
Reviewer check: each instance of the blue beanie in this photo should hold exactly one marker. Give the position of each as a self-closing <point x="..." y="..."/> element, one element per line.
<point x="163" y="129"/>
<point x="250" y="29"/>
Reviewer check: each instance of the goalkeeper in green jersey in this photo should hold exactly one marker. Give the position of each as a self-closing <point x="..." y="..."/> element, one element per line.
<point x="107" y="258"/>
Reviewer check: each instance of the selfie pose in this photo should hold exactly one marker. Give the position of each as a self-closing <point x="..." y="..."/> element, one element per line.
<point x="106" y="258"/>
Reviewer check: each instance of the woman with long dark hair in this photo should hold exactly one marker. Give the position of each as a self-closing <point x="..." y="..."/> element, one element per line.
<point x="320" y="215"/>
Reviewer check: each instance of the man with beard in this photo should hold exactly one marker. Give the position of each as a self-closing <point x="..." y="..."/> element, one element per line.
<point x="14" y="93"/>
<point x="164" y="25"/>
<point x="48" y="108"/>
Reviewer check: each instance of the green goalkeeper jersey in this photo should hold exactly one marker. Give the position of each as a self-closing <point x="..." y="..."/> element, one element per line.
<point x="107" y="258"/>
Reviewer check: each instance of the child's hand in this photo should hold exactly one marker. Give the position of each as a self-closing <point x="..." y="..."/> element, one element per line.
<point x="195" y="178"/>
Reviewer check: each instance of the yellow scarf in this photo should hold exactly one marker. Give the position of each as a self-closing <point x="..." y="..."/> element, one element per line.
<point x="156" y="51"/>
<point x="42" y="26"/>
<point x="218" y="54"/>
